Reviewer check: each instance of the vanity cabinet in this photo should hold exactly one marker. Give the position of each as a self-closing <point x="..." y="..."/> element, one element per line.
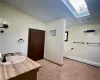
<point x="31" y="75"/>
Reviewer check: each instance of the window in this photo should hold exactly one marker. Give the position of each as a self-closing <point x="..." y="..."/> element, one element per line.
<point x="77" y="7"/>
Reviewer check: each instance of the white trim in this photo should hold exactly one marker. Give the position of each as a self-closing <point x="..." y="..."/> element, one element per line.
<point x="84" y="61"/>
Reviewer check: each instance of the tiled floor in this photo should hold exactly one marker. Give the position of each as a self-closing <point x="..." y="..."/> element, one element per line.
<point x="71" y="70"/>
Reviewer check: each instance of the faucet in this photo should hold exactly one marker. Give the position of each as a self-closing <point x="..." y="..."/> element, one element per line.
<point x="4" y="58"/>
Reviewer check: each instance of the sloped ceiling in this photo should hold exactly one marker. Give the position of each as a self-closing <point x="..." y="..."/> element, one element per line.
<point x="49" y="10"/>
<point x="94" y="8"/>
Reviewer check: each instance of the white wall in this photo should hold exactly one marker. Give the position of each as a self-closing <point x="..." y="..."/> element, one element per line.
<point x="1" y="43"/>
<point x="84" y="52"/>
<point x="54" y="48"/>
<point x="19" y="23"/>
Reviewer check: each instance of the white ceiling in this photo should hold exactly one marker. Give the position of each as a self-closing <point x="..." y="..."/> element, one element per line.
<point x="94" y="8"/>
<point x="49" y="10"/>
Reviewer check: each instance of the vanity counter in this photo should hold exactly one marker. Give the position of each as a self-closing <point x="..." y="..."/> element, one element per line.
<point x="12" y="71"/>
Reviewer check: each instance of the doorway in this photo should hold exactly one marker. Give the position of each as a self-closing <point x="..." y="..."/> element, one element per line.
<point x="36" y="44"/>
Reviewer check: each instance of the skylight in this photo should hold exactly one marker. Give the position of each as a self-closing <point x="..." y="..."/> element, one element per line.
<point x="77" y="7"/>
<point x="80" y="6"/>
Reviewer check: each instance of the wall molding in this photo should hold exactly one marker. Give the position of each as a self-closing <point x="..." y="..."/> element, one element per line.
<point x="83" y="61"/>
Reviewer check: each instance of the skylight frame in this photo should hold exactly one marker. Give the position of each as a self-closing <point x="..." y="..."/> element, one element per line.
<point x="72" y="9"/>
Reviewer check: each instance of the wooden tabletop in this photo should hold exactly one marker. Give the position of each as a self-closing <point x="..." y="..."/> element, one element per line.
<point x="13" y="70"/>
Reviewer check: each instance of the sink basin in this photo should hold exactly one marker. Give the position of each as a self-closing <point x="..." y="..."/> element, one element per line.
<point x="15" y="59"/>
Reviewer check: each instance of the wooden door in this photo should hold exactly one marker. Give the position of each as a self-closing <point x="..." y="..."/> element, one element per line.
<point x="36" y="44"/>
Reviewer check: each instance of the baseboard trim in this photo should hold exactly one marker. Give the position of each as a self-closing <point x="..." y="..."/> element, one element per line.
<point x="53" y="62"/>
<point x="83" y="61"/>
